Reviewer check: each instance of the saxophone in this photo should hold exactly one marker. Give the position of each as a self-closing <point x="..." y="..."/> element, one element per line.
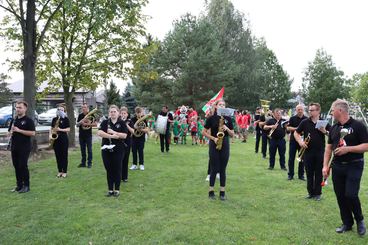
<point x="140" y="124"/>
<point x="54" y="134"/>
<point x="220" y="135"/>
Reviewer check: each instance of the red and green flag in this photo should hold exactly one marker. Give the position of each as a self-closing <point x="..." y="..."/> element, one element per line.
<point x="218" y="96"/>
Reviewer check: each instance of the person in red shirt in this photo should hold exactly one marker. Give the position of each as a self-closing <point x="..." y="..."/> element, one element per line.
<point x="238" y="121"/>
<point x="244" y="123"/>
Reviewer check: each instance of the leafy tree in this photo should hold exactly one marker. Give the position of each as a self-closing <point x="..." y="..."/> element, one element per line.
<point x="323" y="82"/>
<point x="5" y="93"/>
<point x="128" y="99"/>
<point x="90" y="41"/>
<point x="113" y="96"/>
<point x="360" y="90"/>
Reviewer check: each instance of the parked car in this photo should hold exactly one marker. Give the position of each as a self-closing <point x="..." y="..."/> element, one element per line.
<point x="46" y="117"/>
<point x="6" y="115"/>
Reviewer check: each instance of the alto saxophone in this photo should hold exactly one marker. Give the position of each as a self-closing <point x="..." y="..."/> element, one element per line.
<point x="54" y="134"/>
<point x="220" y="135"/>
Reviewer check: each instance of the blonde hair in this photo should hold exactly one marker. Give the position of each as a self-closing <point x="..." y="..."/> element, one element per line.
<point x="138" y="109"/>
<point x="113" y="107"/>
<point x="214" y="106"/>
<point x="123" y="108"/>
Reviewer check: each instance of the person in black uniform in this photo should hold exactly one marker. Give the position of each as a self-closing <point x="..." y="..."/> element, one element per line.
<point x="61" y="144"/>
<point x="165" y="138"/>
<point x="138" y="141"/>
<point x="20" y="130"/>
<point x="277" y="141"/>
<point x="347" y="165"/>
<point x="264" y="132"/>
<point x="85" y="136"/>
<point x="313" y="156"/>
<point x="257" y="119"/>
<point x="218" y="158"/>
<point x="124" y="114"/>
<point x="293" y="145"/>
<point x="113" y="132"/>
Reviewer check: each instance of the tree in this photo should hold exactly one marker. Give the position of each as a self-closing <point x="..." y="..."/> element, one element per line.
<point x="113" y="96"/>
<point x="128" y="99"/>
<point x="360" y="91"/>
<point x="27" y="24"/>
<point x="90" y="41"/>
<point x="323" y="82"/>
<point x="5" y="93"/>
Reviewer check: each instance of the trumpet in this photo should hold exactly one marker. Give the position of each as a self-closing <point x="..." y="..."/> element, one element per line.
<point x="302" y="151"/>
<point x="273" y="130"/>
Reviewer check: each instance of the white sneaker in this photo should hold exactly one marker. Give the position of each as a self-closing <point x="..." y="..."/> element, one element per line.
<point x="133" y="167"/>
<point x="141" y="167"/>
<point x="208" y="178"/>
<point x="218" y="176"/>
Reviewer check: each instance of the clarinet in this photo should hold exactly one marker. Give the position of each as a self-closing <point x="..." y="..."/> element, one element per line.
<point x="8" y="148"/>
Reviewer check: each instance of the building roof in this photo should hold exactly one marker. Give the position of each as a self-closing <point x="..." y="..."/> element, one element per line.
<point x="17" y="87"/>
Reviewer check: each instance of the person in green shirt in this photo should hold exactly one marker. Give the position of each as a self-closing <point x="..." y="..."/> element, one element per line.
<point x="183" y="131"/>
<point x="176" y="131"/>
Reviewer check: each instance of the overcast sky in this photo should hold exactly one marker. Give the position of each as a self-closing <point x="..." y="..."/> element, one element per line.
<point x="294" y="30"/>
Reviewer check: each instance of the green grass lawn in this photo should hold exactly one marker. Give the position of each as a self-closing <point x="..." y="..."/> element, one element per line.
<point x="168" y="204"/>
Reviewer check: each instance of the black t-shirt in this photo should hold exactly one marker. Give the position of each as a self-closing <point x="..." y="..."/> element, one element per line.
<point x="119" y="127"/>
<point x="83" y="132"/>
<point x="131" y="124"/>
<point x="133" y="121"/>
<point x="279" y="132"/>
<point x="256" y="118"/>
<point x="294" y="122"/>
<point x="21" y="141"/>
<point x="169" y="116"/>
<point x="357" y="135"/>
<point x="317" y="138"/>
<point x="213" y="123"/>
<point x="63" y="123"/>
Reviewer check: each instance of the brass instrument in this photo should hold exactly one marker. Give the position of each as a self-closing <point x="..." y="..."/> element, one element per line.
<point x="220" y="135"/>
<point x="140" y="124"/>
<point x="54" y="134"/>
<point x="90" y="117"/>
<point x="265" y="104"/>
<point x="273" y="130"/>
<point x="302" y="151"/>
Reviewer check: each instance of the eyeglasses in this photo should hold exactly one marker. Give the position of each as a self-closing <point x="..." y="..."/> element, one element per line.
<point x="312" y="110"/>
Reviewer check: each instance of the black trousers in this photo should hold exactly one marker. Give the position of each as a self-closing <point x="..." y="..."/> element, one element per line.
<point x="113" y="165"/>
<point x="346" y="181"/>
<point x="265" y="140"/>
<point x="313" y="161"/>
<point x="20" y="163"/>
<point x="293" y="149"/>
<point x="124" y="169"/>
<point x="165" y="141"/>
<point x="86" y="142"/>
<point x="137" y="149"/>
<point x="218" y="161"/>
<point x="280" y="146"/>
<point x="258" y="138"/>
<point x="61" y="153"/>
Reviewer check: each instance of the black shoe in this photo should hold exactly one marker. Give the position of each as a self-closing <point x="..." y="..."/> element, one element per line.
<point x="264" y="157"/>
<point x="302" y="178"/>
<point x="270" y="168"/>
<point x="16" y="189"/>
<point x="24" y="189"/>
<point x="285" y="169"/>
<point x="116" y="193"/>
<point x="309" y="196"/>
<point x="89" y="166"/>
<point x="318" y="197"/>
<point x="222" y="196"/>
<point x="211" y="195"/>
<point x="109" y="193"/>
<point x="361" y="228"/>
<point x="290" y="178"/>
<point x="81" y="165"/>
<point x="343" y="228"/>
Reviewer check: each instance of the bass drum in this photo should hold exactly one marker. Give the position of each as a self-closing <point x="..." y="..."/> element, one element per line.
<point x="161" y="124"/>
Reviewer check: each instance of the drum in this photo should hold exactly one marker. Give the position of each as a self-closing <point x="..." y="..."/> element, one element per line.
<point x="161" y="124"/>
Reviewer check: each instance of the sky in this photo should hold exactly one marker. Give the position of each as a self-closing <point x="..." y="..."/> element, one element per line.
<point x="294" y="30"/>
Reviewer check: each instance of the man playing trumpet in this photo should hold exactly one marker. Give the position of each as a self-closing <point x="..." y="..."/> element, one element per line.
<point x="85" y="125"/>
<point x="314" y="150"/>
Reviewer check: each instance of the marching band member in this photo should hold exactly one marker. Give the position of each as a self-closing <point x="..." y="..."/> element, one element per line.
<point x="347" y="165"/>
<point x="276" y="125"/>
<point x="165" y="138"/>
<point x="293" y="145"/>
<point x="21" y="129"/>
<point x="85" y="136"/>
<point x="314" y="150"/>
<point x="257" y="120"/>
<point x="218" y="157"/>
<point x="138" y="141"/>
<point x="128" y="141"/>
<point x="60" y="126"/>
<point x="113" y="132"/>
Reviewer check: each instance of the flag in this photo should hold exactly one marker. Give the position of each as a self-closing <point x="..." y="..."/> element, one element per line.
<point x="218" y="96"/>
